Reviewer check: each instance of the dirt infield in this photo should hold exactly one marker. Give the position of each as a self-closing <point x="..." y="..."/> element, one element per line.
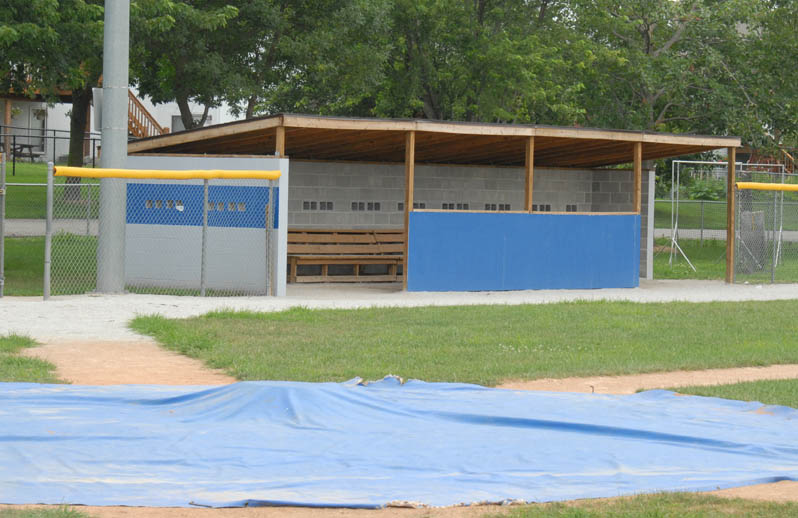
<point x="635" y="382"/>
<point x="122" y="363"/>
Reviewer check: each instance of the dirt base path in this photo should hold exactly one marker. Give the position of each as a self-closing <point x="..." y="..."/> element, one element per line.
<point x="635" y="382"/>
<point x="121" y="363"/>
<point x="145" y="362"/>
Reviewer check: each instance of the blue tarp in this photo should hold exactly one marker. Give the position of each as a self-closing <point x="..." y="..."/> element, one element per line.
<point x="365" y="445"/>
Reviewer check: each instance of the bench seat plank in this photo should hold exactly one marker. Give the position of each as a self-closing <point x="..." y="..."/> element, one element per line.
<point x="357" y="247"/>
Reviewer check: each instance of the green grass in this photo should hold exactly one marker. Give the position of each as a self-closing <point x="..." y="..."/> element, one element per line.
<point x="22" y="369"/>
<point x="42" y="512"/>
<point x="709" y="259"/>
<point x="24" y="268"/>
<point x="485" y="344"/>
<point x="29" y="202"/>
<point x="27" y="173"/>
<point x="714" y="214"/>
<point x="662" y="505"/>
<point x="769" y="392"/>
<point x="74" y="265"/>
<point x="690" y="214"/>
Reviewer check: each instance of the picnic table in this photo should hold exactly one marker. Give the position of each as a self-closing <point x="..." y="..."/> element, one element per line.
<point x="22" y="150"/>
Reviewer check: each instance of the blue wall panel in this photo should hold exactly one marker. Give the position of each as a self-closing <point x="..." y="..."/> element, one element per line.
<point x="253" y="200"/>
<point x="477" y="251"/>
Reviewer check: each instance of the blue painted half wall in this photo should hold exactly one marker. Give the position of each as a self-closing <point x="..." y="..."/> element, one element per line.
<point x="455" y="251"/>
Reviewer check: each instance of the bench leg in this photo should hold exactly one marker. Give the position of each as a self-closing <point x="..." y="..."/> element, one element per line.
<point x="392" y="270"/>
<point x="292" y="274"/>
<point x="324" y="269"/>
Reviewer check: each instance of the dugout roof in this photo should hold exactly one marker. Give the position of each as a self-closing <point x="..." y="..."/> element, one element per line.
<point x="436" y="142"/>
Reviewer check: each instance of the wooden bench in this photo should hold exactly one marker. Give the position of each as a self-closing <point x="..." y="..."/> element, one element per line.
<point x="345" y="247"/>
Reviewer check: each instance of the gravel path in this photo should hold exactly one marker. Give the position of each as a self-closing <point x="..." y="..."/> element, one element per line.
<point x="36" y="227"/>
<point x="105" y="317"/>
<point x="694" y="233"/>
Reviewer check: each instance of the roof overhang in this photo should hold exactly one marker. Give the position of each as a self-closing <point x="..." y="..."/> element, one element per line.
<point x="437" y="142"/>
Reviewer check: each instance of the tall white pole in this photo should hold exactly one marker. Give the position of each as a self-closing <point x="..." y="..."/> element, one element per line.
<point x="111" y="238"/>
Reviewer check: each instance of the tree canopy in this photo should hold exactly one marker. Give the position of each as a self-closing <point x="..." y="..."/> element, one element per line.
<point x="709" y="66"/>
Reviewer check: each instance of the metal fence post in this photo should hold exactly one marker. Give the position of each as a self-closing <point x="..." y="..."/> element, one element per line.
<point x="203" y="259"/>
<point x="269" y="226"/>
<point x="2" y="220"/>
<point x="701" y="237"/>
<point x="48" y="232"/>
<point x="738" y="209"/>
<point x="88" y="208"/>
<point x="773" y="262"/>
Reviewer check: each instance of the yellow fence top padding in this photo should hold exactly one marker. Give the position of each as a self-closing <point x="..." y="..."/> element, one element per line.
<point x="157" y="174"/>
<point x="758" y="186"/>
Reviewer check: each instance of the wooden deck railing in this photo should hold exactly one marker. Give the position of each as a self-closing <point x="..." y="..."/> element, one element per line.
<point x="141" y="123"/>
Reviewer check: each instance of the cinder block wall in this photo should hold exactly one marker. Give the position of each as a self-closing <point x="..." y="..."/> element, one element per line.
<point x="613" y="191"/>
<point x="344" y="183"/>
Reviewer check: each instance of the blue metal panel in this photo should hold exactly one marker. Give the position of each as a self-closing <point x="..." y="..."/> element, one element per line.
<point x="142" y="198"/>
<point x="476" y="251"/>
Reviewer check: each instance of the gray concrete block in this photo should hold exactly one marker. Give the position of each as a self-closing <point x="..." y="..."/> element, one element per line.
<point x="621" y="197"/>
<point x="298" y="219"/>
<point x="382" y="219"/>
<point x="344" y="181"/>
<point x="601" y="198"/>
<point x="610" y="187"/>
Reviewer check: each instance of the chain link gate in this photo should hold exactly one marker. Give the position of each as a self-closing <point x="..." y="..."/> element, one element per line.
<point x="766" y="232"/>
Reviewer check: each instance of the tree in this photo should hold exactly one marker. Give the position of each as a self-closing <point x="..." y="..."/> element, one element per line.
<point x="52" y="46"/>
<point x="178" y="53"/>
<point x="674" y="66"/>
<point x="767" y="82"/>
<point x="27" y="33"/>
<point x="485" y="60"/>
<point x="313" y="57"/>
<point x="80" y="40"/>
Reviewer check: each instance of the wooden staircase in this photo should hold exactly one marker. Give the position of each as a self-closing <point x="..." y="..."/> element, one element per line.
<point x="786" y="157"/>
<point x="789" y="161"/>
<point x="140" y="122"/>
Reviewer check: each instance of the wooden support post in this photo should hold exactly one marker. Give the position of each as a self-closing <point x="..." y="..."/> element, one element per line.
<point x="410" y="162"/>
<point x="279" y="141"/>
<point x="730" y="213"/>
<point x="529" y="168"/>
<point x="6" y="130"/>
<point x="86" y="134"/>
<point x="638" y="181"/>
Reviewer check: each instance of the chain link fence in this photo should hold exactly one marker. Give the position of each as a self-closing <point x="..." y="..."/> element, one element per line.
<point x="74" y="228"/>
<point x="698" y="219"/>
<point x="766" y="235"/>
<point x="182" y="237"/>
